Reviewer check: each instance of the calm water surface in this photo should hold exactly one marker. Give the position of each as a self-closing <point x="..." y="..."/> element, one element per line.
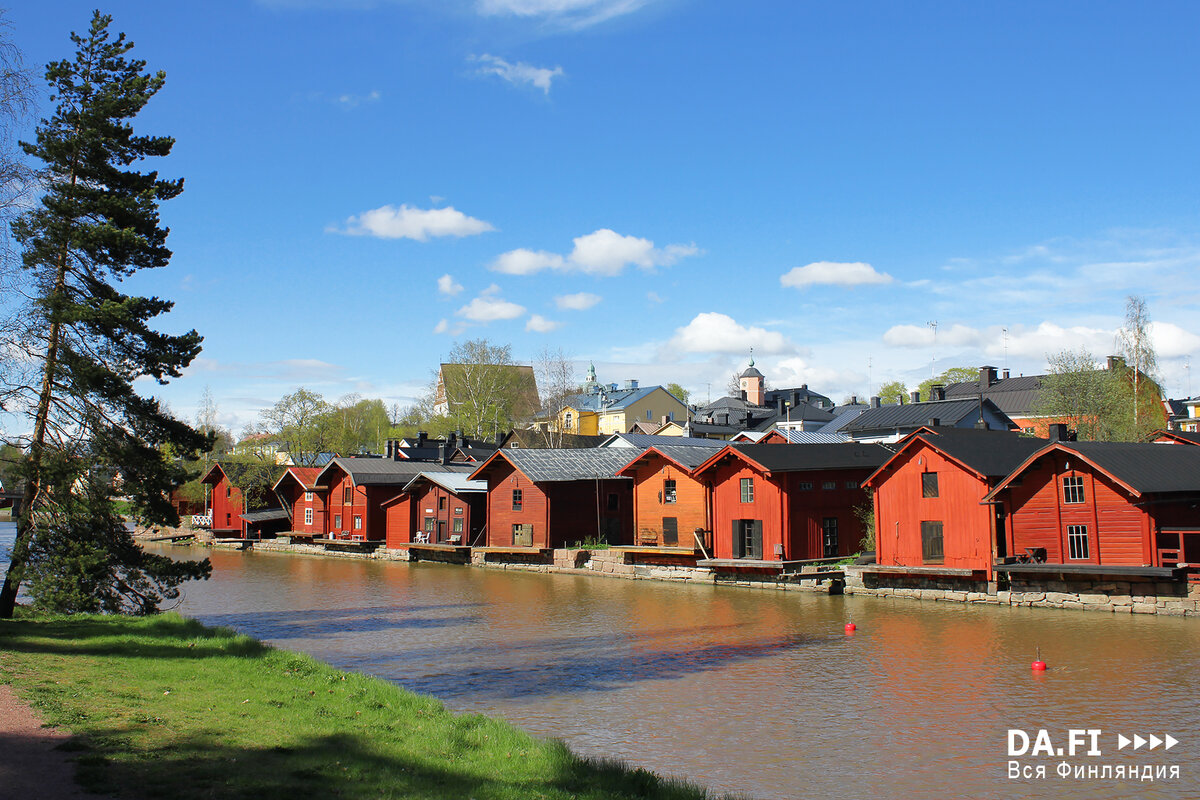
<point x="748" y="691"/>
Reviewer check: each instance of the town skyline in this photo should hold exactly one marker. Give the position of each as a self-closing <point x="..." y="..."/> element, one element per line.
<point x="657" y="187"/>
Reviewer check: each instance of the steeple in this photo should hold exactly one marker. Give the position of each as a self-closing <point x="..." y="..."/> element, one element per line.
<point x="753" y="383"/>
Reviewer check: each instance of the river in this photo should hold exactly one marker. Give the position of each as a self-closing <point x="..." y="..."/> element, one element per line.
<point x="758" y="692"/>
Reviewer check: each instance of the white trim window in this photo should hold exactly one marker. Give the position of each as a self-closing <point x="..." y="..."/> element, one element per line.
<point x="308" y="516"/>
<point x="308" y="497"/>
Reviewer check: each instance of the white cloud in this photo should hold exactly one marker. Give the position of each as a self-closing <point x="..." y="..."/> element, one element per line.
<point x="712" y="332"/>
<point x="356" y="100"/>
<point x="406" y="222"/>
<point x="448" y="286"/>
<point x="526" y="262"/>
<point x="540" y="324"/>
<point x="1172" y="341"/>
<point x="518" y="74"/>
<point x="1048" y="338"/>
<point x="580" y="301"/>
<point x="603" y="252"/>
<point x="572" y="14"/>
<point x="654" y="297"/>
<point x="442" y="326"/>
<point x="490" y="308"/>
<point x="833" y="273"/>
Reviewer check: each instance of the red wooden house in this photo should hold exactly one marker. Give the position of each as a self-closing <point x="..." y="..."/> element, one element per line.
<point x="1176" y="437"/>
<point x="1087" y="507"/>
<point x="437" y="508"/>
<point x="305" y="503"/>
<point x="228" y="502"/>
<point x="788" y="502"/>
<point x="356" y="488"/>
<point x="670" y="505"/>
<point x="928" y="498"/>
<point x="554" y="498"/>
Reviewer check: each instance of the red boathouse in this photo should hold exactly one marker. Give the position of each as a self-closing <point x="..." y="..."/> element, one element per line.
<point x="305" y="503"/>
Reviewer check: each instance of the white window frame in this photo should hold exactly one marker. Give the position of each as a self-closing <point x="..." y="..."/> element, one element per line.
<point x="308" y="516"/>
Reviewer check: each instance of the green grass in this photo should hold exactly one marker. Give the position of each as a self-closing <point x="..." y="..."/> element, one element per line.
<point x="165" y="707"/>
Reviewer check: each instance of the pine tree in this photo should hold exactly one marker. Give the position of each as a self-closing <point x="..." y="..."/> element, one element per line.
<point x="97" y="224"/>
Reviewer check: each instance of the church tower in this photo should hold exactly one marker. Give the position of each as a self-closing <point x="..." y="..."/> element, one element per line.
<point x="752" y="383"/>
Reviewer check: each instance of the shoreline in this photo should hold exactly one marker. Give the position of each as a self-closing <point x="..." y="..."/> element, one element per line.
<point x="1098" y="593"/>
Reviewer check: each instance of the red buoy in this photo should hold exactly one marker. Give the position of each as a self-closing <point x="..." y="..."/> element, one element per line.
<point x="851" y="627"/>
<point x="1039" y="665"/>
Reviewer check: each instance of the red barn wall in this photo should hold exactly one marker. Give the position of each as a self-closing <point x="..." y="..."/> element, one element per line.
<point x="341" y="514"/>
<point x="444" y="507"/>
<point x="691" y="501"/>
<point x="1118" y="531"/>
<point x="400" y="522"/>
<point x="293" y="492"/>
<point x="809" y="508"/>
<point x="900" y="508"/>
<point x="728" y="506"/>
<point x="226" y="505"/>
<point x="502" y="480"/>
<point x="577" y="514"/>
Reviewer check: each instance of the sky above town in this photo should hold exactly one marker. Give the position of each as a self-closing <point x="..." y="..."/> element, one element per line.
<point x="658" y="186"/>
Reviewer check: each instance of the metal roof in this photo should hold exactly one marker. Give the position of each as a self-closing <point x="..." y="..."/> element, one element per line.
<point x="812" y="457"/>
<point x="843" y="416"/>
<point x="687" y="456"/>
<point x="914" y="415"/>
<point x="563" y="465"/>
<point x="384" y="471"/>
<point x="993" y="454"/>
<point x="813" y="437"/>
<point x="643" y="440"/>
<point x="1145" y="467"/>
<point x="265" y="516"/>
<point x="454" y="482"/>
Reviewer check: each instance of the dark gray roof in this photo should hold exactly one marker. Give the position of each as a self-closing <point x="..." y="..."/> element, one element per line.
<point x="384" y="471"/>
<point x="563" y="465"/>
<point x="643" y="440"/>
<point x="687" y="456"/>
<point x="265" y="516"/>
<point x="813" y="457"/>
<point x="1187" y="436"/>
<point x="798" y="395"/>
<point x="843" y="416"/>
<point x="1014" y="396"/>
<point x="910" y="416"/>
<point x="1145" y="467"/>
<point x="455" y="482"/>
<point x="990" y="453"/>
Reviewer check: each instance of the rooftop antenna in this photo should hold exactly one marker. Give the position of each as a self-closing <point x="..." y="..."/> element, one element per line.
<point x="933" y="358"/>
<point x="1004" y="333"/>
<point x="1187" y="367"/>
<point x="870" y="379"/>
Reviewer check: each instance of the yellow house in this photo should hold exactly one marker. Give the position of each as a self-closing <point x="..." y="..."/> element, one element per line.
<point x="606" y="409"/>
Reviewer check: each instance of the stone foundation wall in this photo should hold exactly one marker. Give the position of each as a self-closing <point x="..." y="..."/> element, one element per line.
<point x="1172" y="598"/>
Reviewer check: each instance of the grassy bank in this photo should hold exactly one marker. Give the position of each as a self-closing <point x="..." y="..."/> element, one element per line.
<point x="165" y="707"/>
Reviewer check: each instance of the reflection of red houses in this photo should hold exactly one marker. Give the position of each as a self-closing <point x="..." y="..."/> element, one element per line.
<point x="554" y="498"/>
<point x="305" y="504"/>
<point x="437" y="508"/>
<point x="788" y="502"/>
<point x="1080" y="505"/>
<point x="356" y="488"/>
<point x="669" y="504"/>
<point x="928" y="511"/>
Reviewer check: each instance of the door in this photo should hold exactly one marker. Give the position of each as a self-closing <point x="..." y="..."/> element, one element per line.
<point x="829" y="531"/>
<point x="441" y="531"/>
<point x="747" y="538"/>
<point x="670" y="531"/>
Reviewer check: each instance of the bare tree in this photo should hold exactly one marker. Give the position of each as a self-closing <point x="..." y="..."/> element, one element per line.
<point x="1133" y="342"/>
<point x="558" y="383"/>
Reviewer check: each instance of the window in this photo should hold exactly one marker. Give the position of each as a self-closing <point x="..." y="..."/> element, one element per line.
<point x="429" y="521"/>
<point x="671" y="416"/>
<point x="458" y="526"/>
<point x="747" y="490"/>
<point x="669" y="494"/>
<point x="804" y="486"/>
<point x="649" y="415"/>
<point x="458" y="510"/>
<point x="829" y="534"/>
<point x="357" y="522"/>
<point x="931" y="542"/>
<point x="929" y="484"/>
<point x="348" y="495"/>
<point x="308" y="516"/>
<point x="828" y="485"/>
<point x="1077" y="541"/>
<point x="614" y="502"/>
<point x="228" y="491"/>
<point x="308" y="497"/>
<point x="516" y="500"/>
<point x="568" y="419"/>
<point x="670" y="529"/>
<point x="337" y="521"/>
<point x="1073" y="491"/>
<point x="441" y="504"/>
<point x="853" y="485"/>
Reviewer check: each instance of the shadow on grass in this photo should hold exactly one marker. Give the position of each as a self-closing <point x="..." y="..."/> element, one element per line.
<point x="356" y="766"/>
<point x="162" y="636"/>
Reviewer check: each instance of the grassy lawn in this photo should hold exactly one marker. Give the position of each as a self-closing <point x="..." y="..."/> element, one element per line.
<point x="165" y="707"/>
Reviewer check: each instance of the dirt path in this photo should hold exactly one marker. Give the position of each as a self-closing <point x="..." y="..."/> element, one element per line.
<point x="30" y="767"/>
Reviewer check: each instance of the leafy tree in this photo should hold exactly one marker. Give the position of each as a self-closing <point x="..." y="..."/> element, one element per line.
<point x="1077" y="392"/>
<point x="96" y="225"/>
<point x="892" y="392"/>
<point x="300" y="422"/>
<point x="952" y="375"/>
<point x="481" y="391"/>
<point x="357" y="425"/>
<point x="681" y="393"/>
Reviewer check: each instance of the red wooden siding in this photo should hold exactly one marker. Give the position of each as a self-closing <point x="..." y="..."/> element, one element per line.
<point x="436" y="507"/>
<point x="226" y="503"/>
<point x="1119" y="532"/>
<point x="364" y="505"/>
<point x="400" y="521"/>
<point x="900" y="507"/>
<point x="292" y="493"/>
<point x="561" y="513"/>
<point x="767" y="508"/>
<point x="503" y="479"/>
<point x="690" y="509"/>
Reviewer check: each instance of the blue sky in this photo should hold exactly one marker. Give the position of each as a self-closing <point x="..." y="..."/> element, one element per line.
<point x="656" y="186"/>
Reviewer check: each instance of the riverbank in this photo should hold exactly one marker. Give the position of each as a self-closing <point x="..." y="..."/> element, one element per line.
<point x="166" y="707"/>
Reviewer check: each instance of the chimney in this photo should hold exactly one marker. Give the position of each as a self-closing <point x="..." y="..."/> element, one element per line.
<point x="915" y="395"/>
<point x="1058" y="432"/>
<point x="780" y="405"/>
<point x="795" y="398"/>
<point x="875" y="403"/>
<point x="389" y="449"/>
<point x="743" y="394"/>
<point x="444" y="451"/>
<point x="500" y="437"/>
<point x="934" y="422"/>
<point x="1115" y="362"/>
<point x="630" y="384"/>
<point x="422" y="437"/>
<point x="853" y="399"/>
<point x="987" y="376"/>
<point x="937" y="392"/>
<point x="1004" y="374"/>
<point x="452" y="440"/>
